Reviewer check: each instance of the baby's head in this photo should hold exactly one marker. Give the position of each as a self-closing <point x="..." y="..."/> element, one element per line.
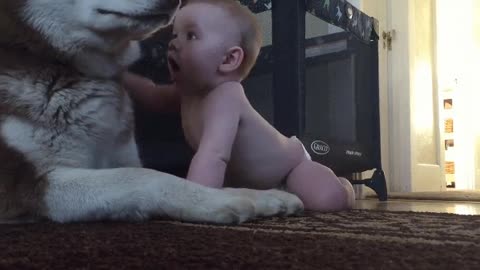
<point x="213" y="41"/>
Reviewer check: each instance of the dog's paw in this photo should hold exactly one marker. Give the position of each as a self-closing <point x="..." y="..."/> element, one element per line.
<point x="270" y="202"/>
<point x="277" y="202"/>
<point x="220" y="208"/>
<point x="232" y="210"/>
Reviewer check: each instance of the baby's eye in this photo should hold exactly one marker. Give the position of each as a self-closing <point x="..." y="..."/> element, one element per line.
<point x="173" y="36"/>
<point x="191" y="36"/>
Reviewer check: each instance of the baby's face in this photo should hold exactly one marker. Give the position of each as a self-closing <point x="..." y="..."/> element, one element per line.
<point x="202" y="34"/>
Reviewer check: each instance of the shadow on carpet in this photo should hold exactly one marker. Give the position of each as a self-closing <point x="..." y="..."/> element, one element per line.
<point x="357" y="239"/>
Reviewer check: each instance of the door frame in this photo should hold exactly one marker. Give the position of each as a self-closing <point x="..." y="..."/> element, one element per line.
<point x="398" y="89"/>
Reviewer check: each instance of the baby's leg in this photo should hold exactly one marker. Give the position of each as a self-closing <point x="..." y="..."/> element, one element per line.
<point x="319" y="188"/>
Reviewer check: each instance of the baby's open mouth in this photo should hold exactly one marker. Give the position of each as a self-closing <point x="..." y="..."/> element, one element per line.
<point x="173" y="64"/>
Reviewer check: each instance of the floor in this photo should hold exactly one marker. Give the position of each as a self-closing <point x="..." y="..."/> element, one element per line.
<point x="453" y="207"/>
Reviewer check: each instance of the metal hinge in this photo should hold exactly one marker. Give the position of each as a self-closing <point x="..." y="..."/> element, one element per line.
<point x="387" y="38"/>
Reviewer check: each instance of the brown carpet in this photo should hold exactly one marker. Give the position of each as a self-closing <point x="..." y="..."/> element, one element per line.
<point x="357" y="239"/>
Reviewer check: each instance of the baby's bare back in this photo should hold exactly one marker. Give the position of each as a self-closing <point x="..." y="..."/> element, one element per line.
<point x="260" y="157"/>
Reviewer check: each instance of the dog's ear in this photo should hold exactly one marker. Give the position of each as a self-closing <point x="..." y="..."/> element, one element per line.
<point x="232" y="60"/>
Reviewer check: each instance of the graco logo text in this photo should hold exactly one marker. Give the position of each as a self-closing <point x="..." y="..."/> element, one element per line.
<point x="320" y="147"/>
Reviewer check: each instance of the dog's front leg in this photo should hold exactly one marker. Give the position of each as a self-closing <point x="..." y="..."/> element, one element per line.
<point x="136" y="193"/>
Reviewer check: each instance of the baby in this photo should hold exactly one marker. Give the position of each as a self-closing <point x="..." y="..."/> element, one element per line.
<point x="215" y="44"/>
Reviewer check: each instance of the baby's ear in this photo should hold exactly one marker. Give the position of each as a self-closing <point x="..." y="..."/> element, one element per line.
<point x="232" y="60"/>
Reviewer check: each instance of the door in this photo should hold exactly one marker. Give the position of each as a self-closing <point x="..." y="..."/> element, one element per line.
<point x="409" y="102"/>
<point x="427" y="155"/>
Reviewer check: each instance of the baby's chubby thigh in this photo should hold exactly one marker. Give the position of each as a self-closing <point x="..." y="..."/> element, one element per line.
<point x="319" y="188"/>
<point x="266" y="168"/>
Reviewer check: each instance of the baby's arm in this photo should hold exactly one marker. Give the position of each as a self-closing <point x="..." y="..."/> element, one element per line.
<point x="153" y="97"/>
<point x="221" y="118"/>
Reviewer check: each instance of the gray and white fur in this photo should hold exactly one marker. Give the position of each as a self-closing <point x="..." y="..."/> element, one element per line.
<point x="67" y="147"/>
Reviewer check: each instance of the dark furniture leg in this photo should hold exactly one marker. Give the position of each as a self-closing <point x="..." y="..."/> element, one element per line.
<point x="377" y="183"/>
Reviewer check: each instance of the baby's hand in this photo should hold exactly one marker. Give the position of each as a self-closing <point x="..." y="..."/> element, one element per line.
<point x="153" y="97"/>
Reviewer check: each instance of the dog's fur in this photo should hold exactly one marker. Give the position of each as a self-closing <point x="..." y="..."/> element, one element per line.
<point x="67" y="149"/>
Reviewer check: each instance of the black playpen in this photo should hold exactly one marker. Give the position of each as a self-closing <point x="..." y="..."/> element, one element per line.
<point x="322" y="89"/>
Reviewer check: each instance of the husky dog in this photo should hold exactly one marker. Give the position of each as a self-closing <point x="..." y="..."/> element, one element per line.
<point x="67" y="147"/>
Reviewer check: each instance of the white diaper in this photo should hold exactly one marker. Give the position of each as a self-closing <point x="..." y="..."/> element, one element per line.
<point x="307" y="155"/>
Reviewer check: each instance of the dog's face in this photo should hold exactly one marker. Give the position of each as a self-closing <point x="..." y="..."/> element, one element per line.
<point x="83" y="28"/>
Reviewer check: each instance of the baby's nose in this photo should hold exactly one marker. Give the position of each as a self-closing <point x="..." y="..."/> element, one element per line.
<point x="172" y="45"/>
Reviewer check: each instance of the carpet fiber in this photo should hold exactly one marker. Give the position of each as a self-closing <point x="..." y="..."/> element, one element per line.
<point x="357" y="239"/>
